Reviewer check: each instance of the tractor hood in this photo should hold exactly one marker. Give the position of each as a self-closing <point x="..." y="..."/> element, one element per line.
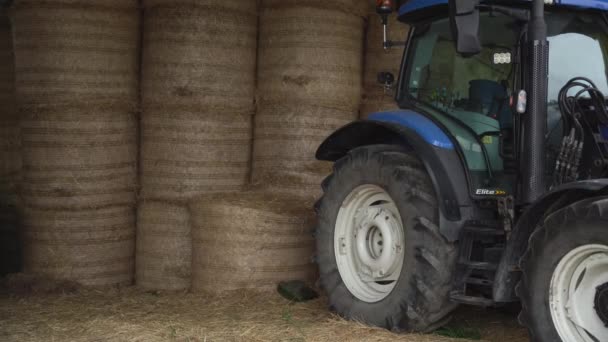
<point x="417" y="10"/>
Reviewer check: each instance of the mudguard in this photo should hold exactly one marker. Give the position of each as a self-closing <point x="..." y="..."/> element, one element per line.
<point x="508" y="273"/>
<point x="432" y="145"/>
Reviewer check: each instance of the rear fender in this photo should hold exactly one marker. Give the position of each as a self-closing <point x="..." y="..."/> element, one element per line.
<point x="431" y="145"/>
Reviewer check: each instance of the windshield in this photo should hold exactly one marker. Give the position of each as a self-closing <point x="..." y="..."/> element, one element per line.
<point x="474" y="88"/>
<point x="578" y="47"/>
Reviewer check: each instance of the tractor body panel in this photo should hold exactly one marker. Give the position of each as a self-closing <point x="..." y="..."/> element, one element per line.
<point x="415" y="10"/>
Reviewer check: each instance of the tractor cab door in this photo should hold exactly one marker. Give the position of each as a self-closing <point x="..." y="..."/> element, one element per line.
<point x="469" y="96"/>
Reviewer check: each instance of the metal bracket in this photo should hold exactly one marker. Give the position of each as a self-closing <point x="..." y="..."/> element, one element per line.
<point x="506" y="210"/>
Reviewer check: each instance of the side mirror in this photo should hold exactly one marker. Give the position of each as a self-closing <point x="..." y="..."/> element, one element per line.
<point x="464" y="21"/>
<point x="386" y="78"/>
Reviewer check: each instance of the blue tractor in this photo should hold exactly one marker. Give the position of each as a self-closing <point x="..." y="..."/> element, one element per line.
<point x="490" y="185"/>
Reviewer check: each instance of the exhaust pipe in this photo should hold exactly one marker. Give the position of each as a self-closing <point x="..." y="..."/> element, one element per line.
<point x="533" y="179"/>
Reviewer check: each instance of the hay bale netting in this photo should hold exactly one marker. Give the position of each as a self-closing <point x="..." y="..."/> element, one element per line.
<point x="198" y="93"/>
<point x="164" y="246"/>
<point x="309" y="83"/>
<point x="79" y="156"/>
<point x="377" y="60"/>
<point x="83" y="49"/>
<point x="10" y="240"/>
<point x="10" y="139"/>
<point x="250" y="240"/>
<point x="93" y="247"/>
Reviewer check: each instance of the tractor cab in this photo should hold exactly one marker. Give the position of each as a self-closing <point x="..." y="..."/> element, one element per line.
<point x="480" y="97"/>
<point x="489" y="185"/>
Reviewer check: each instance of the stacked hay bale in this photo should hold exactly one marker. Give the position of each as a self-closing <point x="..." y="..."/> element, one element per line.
<point x="198" y="95"/>
<point x="77" y="81"/>
<point x="10" y="154"/>
<point x="164" y="246"/>
<point x="377" y="60"/>
<point x="198" y="92"/>
<point x="250" y="240"/>
<point x="309" y="84"/>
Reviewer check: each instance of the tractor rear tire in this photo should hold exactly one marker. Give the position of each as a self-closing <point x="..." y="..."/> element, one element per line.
<point x="419" y="300"/>
<point x="554" y="258"/>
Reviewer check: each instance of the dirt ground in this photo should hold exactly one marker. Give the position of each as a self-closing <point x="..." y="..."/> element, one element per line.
<point x="130" y="314"/>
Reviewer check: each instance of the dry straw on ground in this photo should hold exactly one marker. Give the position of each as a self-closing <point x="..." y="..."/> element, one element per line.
<point x="164" y="246"/>
<point x="131" y="315"/>
<point x="10" y="140"/>
<point x="377" y="59"/>
<point x="250" y="240"/>
<point x="309" y="82"/>
<point x="198" y="93"/>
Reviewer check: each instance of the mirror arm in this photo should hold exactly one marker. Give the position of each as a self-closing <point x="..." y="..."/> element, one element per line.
<point x="387" y="43"/>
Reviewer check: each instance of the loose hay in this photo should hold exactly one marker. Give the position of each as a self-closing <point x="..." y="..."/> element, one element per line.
<point x="250" y="240"/>
<point x="377" y="60"/>
<point x="131" y="315"/>
<point x="198" y="91"/>
<point x="309" y="84"/>
<point x="164" y="246"/>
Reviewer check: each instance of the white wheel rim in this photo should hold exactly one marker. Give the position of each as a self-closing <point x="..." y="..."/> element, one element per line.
<point x="573" y="289"/>
<point x="369" y="243"/>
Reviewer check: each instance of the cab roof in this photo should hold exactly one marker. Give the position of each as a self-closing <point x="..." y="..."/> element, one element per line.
<point x="422" y="8"/>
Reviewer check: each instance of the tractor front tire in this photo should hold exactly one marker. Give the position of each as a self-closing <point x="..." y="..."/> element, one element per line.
<point x="564" y="269"/>
<point x="374" y="190"/>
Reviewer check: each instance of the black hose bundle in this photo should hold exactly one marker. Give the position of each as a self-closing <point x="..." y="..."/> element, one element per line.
<point x="568" y="160"/>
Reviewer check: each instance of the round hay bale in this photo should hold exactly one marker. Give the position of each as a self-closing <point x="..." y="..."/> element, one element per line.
<point x="112" y="4"/>
<point x="67" y="49"/>
<point x="10" y="139"/>
<point x="188" y="153"/>
<point x="93" y="247"/>
<point x="164" y="246"/>
<point x="309" y="84"/>
<point x="304" y="183"/>
<point x="251" y="240"/>
<point x="286" y="139"/>
<point x="377" y="60"/>
<point x="10" y="242"/>
<point x="197" y="98"/>
<point x="310" y="56"/>
<point x="79" y="156"/>
<point x="356" y="7"/>
<point x="232" y="6"/>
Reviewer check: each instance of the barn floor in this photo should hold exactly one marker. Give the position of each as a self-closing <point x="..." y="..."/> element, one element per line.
<point x="129" y="314"/>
